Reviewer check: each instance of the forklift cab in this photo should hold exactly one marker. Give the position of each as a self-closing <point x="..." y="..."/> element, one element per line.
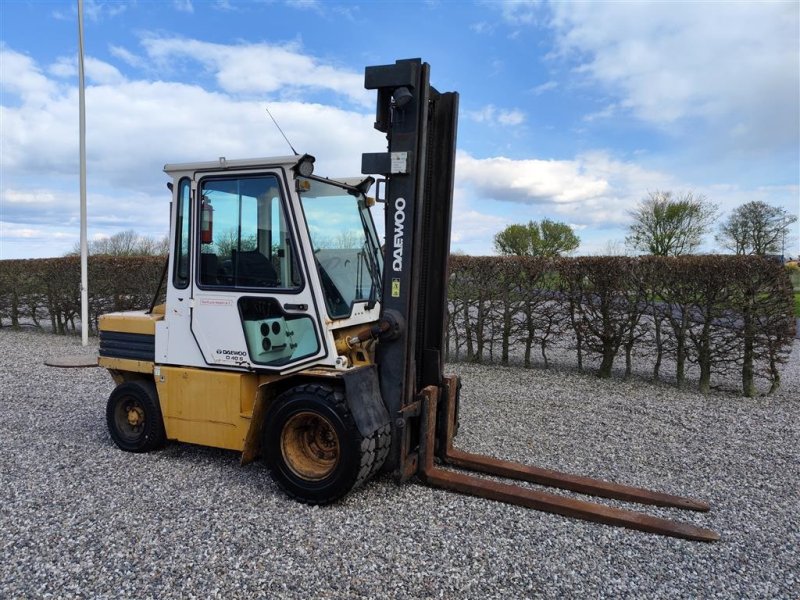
<point x="266" y="264"/>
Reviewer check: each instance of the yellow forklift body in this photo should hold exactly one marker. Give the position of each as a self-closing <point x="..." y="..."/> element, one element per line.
<point x="207" y="407"/>
<point x="137" y="321"/>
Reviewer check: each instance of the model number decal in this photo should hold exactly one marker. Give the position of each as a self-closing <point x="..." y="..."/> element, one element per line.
<point x="399" y="220"/>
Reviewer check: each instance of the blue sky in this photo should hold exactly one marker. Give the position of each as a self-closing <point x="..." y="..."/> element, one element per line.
<point x="569" y="111"/>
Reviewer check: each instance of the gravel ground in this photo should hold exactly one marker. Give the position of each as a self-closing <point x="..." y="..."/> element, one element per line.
<point x="79" y="518"/>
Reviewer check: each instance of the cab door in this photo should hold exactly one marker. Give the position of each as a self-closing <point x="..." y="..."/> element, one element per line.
<point x="252" y="304"/>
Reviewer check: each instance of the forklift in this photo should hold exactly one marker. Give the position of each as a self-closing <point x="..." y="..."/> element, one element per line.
<point x="290" y="333"/>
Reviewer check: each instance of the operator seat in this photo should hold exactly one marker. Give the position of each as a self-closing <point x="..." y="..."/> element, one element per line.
<point x="209" y="269"/>
<point x="253" y="269"/>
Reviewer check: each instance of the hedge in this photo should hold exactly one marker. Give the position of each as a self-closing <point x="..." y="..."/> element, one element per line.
<point x="42" y="290"/>
<point x="723" y="315"/>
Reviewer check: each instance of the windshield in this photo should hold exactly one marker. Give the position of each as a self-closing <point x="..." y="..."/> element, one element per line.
<point x="345" y="244"/>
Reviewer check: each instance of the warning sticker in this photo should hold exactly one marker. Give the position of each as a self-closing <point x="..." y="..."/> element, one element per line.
<point x="395" y="288"/>
<point x="216" y="302"/>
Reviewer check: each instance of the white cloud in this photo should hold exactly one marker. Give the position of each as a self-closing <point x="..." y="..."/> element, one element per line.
<point x="474" y="224"/>
<point x="593" y="193"/>
<point x="482" y="27"/>
<point x="594" y="189"/>
<point x="529" y="181"/>
<point x="183" y="6"/>
<point x="517" y="12"/>
<point x="24" y="241"/>
<point x="97" y="10"/>
<point x="734" y="66"/>
<point x="22" y="77"/>
<point x="11" y="230"/>
<point x="100" y="72"/>
<point x="304" y="5"/>
<point x="64" y="67"/>
<point x="731" y="196"/>
<point x="544" y="87"/>
<point x="604" y="113"/>
<point x="511" y="117"/>
<point x="258" y="69"/>
<point x="492" y="115"/>
<point x="134" y="127"/>
<point x="473" y="231"/>
<point x="29" y="197"/>
<point x="97" y="71"/>
<point x="127" y="56"/>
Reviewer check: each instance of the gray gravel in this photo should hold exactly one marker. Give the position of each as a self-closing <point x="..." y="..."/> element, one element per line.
<point x="79" y="518"/>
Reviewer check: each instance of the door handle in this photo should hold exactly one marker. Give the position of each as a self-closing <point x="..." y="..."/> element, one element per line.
<point x="295" y="306"/>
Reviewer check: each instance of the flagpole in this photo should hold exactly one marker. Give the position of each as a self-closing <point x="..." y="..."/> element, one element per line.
<point x="82" y="135"/>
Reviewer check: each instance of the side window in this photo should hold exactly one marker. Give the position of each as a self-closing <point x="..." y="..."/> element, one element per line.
<point x="244" y="238"/>
<point x="180" y="276"/>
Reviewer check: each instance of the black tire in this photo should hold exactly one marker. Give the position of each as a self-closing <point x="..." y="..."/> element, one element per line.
<point x="134" y="419"/>
<point x="313" y="448"/>
<point x="383" y="442"/>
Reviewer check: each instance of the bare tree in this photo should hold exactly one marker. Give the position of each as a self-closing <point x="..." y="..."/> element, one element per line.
<point x="756" y="228"/>
<point x="613" y="248"/>
<point x="126" y="243"/>
<point x="350" y="239"/>
<point x="670" y="225"/>
<point x="228" y="240"/>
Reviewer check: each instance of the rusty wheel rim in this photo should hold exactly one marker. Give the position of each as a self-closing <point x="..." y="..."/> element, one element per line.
<point x="129" y="417"/>
<point x="310" y="446"/>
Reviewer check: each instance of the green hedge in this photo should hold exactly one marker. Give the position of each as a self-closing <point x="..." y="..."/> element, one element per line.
<point x="722" y="315"/>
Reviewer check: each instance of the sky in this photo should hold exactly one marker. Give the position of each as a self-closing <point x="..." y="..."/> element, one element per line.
<point x="568" y="111"/>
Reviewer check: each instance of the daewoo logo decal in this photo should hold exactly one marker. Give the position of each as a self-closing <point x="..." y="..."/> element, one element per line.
<point x="399" y="220"/>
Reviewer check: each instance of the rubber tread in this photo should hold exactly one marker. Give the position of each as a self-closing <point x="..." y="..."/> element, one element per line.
<point x="371" y="454"/>
<point x="154" y="435"/>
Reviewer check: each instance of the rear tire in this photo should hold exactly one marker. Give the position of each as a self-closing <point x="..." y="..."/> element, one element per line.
<point x="133" y="416"/>
<point x="313" y="448"/>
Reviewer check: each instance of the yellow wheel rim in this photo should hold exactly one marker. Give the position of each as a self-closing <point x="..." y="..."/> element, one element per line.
<point x="310" y="446"/>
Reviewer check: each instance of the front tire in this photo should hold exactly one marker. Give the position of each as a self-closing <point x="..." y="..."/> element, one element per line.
<point x="313" y="447"/>
<point x="133" y="416"/>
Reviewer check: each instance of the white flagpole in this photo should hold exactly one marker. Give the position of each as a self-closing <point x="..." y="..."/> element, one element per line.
<point x="82" y="134"/>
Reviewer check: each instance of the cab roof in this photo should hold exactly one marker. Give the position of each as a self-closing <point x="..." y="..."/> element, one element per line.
<point x="223" y="163"/>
